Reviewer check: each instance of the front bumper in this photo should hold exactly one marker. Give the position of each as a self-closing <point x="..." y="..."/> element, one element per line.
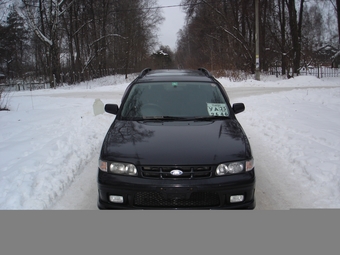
<point x="210" y="193"/>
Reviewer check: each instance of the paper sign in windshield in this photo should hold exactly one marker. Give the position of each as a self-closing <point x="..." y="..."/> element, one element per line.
<point x="217" y="109"/>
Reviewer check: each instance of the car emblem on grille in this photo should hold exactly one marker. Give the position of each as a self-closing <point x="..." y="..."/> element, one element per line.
<point x="176" y="172"/>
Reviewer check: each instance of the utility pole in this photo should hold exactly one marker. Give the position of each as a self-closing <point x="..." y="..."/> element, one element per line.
<point x="257" y="38"/>
<point x="338" y="16"/>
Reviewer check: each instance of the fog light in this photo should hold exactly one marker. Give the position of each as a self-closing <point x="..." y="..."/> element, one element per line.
<point x="116" y="199"/>
<point x="236" y="198"/>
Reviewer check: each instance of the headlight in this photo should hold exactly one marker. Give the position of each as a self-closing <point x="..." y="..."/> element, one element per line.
<point x="118" y="168"/>
<point x="234" y="167"/>
<point x="230" y="168"/>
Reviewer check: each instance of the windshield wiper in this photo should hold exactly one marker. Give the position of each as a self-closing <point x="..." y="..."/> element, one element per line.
<point x="177" y="118"/>
<point x="161" y="118"/>
<point x="210" y="118"/>
<point x="174" y="118"/>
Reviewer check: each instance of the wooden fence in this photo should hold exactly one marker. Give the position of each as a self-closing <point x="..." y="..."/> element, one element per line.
<point x="319" y="71"/>
<point x="34" y="83"/>
<point x="30" y="82"/>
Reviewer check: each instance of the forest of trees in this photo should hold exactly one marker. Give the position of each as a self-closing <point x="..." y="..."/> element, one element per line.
<point x="72" y="38"/>
<point x="221" y="34"/>
<point x="51" y="37"/>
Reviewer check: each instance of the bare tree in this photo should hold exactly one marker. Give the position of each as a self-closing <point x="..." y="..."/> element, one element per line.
<point x="43" y="18"/>
<point x="220" y="34"/>
<point x="91" y="35"/>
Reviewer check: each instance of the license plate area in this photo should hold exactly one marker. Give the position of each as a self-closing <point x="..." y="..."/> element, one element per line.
<point x="176" y="193"/>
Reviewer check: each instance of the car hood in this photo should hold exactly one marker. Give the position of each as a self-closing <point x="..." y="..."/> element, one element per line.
<point x="175" y="143"/>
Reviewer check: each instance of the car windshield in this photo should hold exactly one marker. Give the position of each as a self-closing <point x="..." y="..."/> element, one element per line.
<point x="175" y="100"/>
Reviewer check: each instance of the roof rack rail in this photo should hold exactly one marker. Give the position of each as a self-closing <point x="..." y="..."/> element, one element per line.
<point x="205" y="71"/>
<point x="144" y="72"/>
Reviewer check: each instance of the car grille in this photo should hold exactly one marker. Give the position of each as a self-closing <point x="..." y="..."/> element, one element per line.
<point x="161" y="172"/>
<point x="156" y="199"/>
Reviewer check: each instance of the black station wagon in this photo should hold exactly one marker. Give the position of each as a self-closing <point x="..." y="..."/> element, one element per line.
<point x="176" y="144"/>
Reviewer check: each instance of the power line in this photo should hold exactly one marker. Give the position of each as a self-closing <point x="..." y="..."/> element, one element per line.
<point x="162" y="7"/>
<point x="177" y="5"/>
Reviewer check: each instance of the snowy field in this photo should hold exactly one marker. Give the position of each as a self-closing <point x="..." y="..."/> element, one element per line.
<point x="49" y="136"/>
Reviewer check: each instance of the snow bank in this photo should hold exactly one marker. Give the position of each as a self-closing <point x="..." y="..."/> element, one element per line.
<point x="272" y="81"/>
<point x="301" y="128"/>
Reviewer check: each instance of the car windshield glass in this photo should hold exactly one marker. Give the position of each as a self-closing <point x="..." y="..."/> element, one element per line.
<point x="175" y="100"/>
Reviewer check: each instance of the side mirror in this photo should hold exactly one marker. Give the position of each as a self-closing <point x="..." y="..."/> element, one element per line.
<point x="111" y="108"/>
<point x="238" y="107"/>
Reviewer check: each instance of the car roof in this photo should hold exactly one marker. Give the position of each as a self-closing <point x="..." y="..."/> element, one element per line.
<point x="148" y="75"/>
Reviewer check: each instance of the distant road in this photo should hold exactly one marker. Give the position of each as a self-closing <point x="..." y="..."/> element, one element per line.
<point x="235" y="92"/>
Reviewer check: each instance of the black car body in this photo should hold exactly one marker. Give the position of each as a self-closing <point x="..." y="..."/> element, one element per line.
<point x="176" y="144"/>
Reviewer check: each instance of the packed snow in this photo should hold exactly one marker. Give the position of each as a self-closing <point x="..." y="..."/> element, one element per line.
<point x="49" y="136"/>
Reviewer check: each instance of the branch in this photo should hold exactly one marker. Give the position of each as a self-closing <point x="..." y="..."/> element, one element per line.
<point x="88" y="62"/>
<point x="82" y="27"/>
<point x="36" y="30"/>
<point x="67" y="7"/>
<point x="109" y="35"/>
<point x="227" y="31"/>
<point x="216" y="10"/>
<point x="237" y="39"/>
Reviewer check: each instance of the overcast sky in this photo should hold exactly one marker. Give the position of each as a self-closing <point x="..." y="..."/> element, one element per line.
<point x="174" y="21"/>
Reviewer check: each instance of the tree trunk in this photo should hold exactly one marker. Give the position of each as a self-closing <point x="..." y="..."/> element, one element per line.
<point x="283" y="36"/>
<point x="338" y="15"/>
<point x="295" y="29"/>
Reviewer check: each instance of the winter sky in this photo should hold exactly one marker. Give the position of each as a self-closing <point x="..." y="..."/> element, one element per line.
<point x="174" y="21"/>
